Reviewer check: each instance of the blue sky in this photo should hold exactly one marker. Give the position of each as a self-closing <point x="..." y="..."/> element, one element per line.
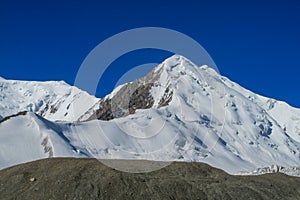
<point x="254" y="43"/>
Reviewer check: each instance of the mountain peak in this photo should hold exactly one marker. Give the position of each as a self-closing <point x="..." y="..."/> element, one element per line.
<point x="177" y="66"/>
<point x="175" y="62"/>
<point x="157" y="89"/>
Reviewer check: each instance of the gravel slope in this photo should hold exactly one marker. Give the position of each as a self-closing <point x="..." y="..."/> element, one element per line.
<point x="71" y="178"/>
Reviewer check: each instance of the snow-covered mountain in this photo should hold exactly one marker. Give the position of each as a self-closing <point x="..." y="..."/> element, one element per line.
<point x="53" y="100"/>
<point x="179" y="111"/>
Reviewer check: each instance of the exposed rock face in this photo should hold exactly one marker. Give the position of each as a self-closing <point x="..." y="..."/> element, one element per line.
<point x="141" y="98"/>
<point x="132" y="96"/>
<point x="8" y="117"/>
<point x="47" y="147"/>
<point x="165" y="100"/>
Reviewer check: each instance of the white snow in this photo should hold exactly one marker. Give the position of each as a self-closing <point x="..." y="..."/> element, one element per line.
<point x="209" y="119"/>
<point x="27" y="138"/>
<point x="54" y="100"/>
<point x="292" y="171"/>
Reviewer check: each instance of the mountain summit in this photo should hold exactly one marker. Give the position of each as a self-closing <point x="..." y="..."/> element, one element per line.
<point x="179" y="111"/>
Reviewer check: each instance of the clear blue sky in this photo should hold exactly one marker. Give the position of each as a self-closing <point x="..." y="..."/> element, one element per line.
<point x="254" y="43"/>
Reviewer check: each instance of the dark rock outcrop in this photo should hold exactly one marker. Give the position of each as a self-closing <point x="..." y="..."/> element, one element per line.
<point x="132" y="96"/>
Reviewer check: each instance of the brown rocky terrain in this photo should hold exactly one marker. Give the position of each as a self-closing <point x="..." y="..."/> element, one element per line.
<point x="71" y="178"/>
<point x="132" y="96"/>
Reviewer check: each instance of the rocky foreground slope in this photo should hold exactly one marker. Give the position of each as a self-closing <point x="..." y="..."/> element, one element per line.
<point x="70" y="178"/>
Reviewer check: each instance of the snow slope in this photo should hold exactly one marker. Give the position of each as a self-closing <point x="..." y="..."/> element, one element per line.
<point x="27" y="137"/>
<point x="54" y="100"/>
<point x="179" y="111"/>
